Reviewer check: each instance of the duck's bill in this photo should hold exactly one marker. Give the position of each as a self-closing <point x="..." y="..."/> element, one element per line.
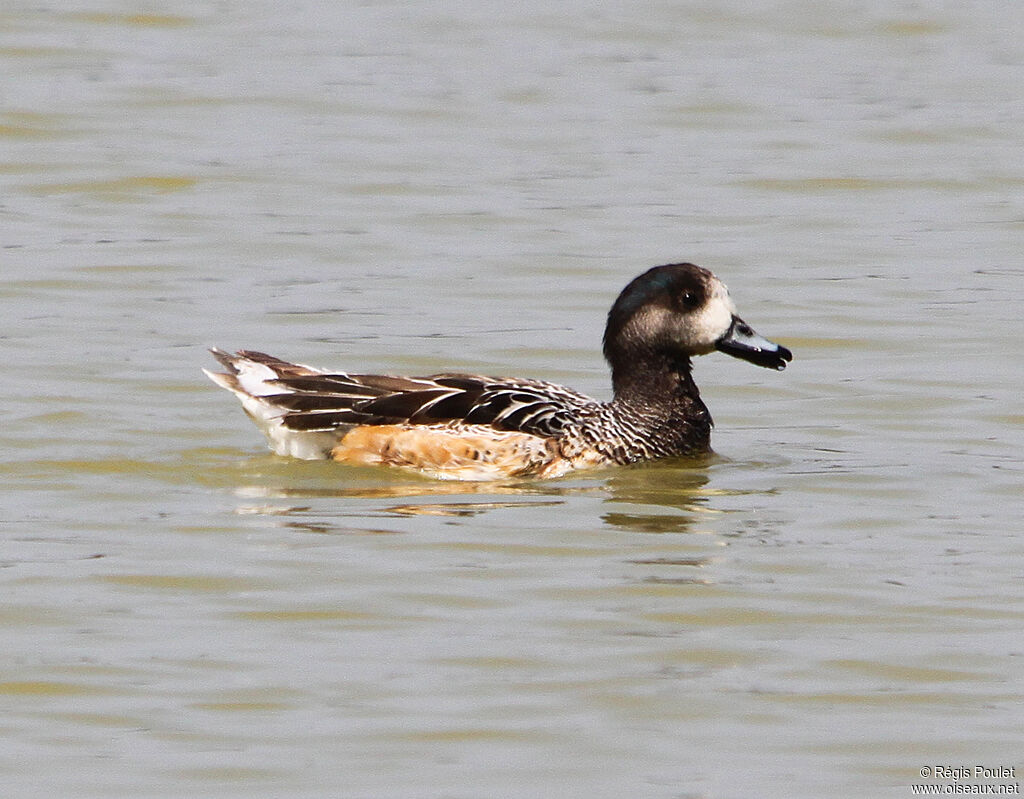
<point x="741" y="341"/>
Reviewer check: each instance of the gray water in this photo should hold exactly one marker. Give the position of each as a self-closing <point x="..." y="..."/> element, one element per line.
<point x="829" y="608"/>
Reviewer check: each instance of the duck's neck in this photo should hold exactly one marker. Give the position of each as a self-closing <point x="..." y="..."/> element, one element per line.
<point x="656" y="392"/>
<point x="653" y="378"/>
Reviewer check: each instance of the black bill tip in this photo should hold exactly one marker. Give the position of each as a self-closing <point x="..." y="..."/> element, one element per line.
<point x="741" y="341"/>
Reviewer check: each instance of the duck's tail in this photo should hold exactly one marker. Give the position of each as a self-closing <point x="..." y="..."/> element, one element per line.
<point x="254" y="378"/>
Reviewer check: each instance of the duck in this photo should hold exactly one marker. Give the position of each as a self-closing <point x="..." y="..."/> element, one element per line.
<point x="454" y="426"/>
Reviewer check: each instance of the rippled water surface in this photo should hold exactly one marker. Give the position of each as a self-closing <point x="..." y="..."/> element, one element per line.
<point x="831" y="605"/>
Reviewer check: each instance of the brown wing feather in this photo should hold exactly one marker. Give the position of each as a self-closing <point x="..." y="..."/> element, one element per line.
<point x="537" y="408"/>
<point x="312" y="400"/>
<point x="282" y="368"/>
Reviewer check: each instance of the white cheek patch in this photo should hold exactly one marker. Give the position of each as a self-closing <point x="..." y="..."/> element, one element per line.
<point x="695" y="333"/>
<point x="705" y="327"/>
<point x="648" y="324"/>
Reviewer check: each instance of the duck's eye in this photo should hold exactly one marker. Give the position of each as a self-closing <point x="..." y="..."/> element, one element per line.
<point x="690" y="299"/>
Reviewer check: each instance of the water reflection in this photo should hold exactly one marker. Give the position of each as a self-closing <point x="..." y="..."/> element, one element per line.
<point x="463" y="509"/>
<point x="677" y="485"/>
<point x="665" y="497"/>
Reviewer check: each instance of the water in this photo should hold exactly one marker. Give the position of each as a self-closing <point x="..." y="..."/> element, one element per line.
<point x="829" y="607"/>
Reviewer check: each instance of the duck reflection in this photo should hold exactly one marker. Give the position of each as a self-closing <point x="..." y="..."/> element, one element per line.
<point x="677" y="485"/>
<point x="667" y="496"/>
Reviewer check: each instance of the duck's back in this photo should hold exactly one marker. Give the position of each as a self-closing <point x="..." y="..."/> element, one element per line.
<point x="453" y="426"/>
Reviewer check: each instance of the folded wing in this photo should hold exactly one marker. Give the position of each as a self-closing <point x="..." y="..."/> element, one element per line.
<point x="310" y="400"/>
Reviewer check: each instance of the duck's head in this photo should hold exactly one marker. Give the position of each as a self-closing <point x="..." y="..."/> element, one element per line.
<point x="678" y="311"/>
